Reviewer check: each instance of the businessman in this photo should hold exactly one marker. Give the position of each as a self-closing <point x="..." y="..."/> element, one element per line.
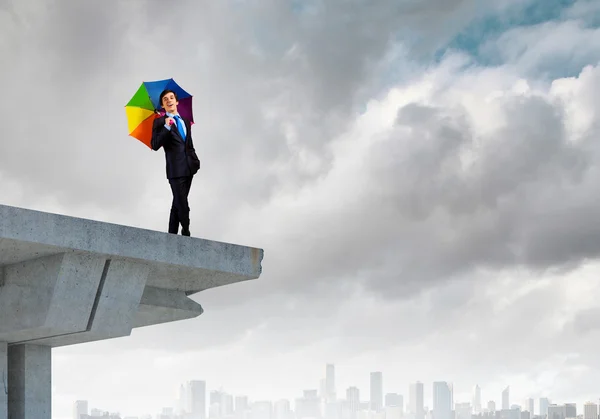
<point x="173" y="134"/>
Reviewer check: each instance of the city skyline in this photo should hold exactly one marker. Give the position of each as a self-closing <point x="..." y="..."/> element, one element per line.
<point x="198" y="398"/>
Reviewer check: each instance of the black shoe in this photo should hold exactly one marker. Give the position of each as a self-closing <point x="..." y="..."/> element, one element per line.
<point x="185" y="233"/>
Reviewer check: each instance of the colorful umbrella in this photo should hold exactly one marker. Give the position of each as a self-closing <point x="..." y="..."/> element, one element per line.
<point x="144" y="107"/>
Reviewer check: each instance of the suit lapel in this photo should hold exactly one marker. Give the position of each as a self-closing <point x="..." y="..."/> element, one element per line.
<point x="187" y="129"/>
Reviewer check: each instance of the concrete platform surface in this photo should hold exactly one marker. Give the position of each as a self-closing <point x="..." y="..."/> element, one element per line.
<point x="66" y="280"/>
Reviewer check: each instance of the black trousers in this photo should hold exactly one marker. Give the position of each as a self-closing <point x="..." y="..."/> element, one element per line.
<point x="180" y="209"/>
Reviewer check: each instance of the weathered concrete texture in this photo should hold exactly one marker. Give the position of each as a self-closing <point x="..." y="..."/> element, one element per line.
<point x="66" y="280"/>
<point x="160" y="306"/>
<point x="3" y="380"/>
<point x="29" y="382"/>
<point x="184" y="263"/>
<point x="112" y="310"/>
<point x="38" y="297"/>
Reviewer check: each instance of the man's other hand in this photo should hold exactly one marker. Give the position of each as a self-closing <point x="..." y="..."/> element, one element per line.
<point x="169" y="121"/>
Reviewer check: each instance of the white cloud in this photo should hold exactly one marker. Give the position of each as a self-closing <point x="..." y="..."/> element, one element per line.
<point x="548" y="49"/>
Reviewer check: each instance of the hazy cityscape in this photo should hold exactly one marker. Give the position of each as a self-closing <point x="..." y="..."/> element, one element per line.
<point x="327" y="402"/>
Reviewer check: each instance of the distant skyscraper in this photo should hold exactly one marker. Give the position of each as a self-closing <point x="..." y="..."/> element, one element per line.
<point x="544" y="403"/>
<point x="353" y="399"/>
<point x="214" y="405"/>
<point x="528" y="406"/>
<point x="477" y="408"/>
<point x="226" y="405"/>
<point x="416" y="403"/>
<point x="196" y="399"/>
<point x="96" y="412"/>
<point x="308" y="406"/>
<point x="390" y="412"/>
<point x="282" y="410"/>
<point x="393" y="400"/>
<point x="332" y="409"/>
<point x="506" y="398"/>
<point x="182" y="400"/>
<point x="80" y="408"/>
<point x="590" y="411"/>
<point x="570" y="410"/>
<point x="557" y="412"/>
<point x="322" y="389"/>
<point x="261" y="410"/>
<point x="241" y="406"/>
<point x="376" y="391"/>
<point x="463" y="411"/>
<point x="491" y="406"/>
<point x="442" y="400"/>
<point x="330" y="382"/>
<point x="214" y="398"/>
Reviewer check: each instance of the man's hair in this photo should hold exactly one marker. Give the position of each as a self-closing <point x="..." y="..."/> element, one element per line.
<point x="164" y="92"/>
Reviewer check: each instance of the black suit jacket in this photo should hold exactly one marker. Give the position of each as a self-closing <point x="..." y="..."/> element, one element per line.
<point x="180" y="155"/>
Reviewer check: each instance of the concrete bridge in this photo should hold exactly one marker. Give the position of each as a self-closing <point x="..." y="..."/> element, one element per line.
<point x="66" y="280"/>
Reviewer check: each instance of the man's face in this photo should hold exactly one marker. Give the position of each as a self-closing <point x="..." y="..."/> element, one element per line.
<point x="170" y="103"/>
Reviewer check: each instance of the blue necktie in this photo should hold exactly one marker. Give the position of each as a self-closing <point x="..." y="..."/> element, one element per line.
<point x="180" y="126"/>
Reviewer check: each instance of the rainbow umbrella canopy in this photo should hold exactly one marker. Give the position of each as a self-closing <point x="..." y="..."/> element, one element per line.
<point x="144" y="107"/>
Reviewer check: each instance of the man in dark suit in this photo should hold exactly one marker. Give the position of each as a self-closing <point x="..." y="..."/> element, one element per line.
<point x="173" y="134"/>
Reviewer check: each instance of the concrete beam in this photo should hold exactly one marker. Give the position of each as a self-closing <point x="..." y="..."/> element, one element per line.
<point x="183" y="263"/>
<point x="112" y="311"/>
<point x="118" y="299"/>
<point x="159" y="305"/>
<point x="48" y="296"/>
<point x="66" y="280"/>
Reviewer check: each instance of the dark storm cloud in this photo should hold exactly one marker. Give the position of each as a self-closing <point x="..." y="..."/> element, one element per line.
<point x="87" y="38"/>
<point x="86" y="60"/>
<point x="57" y="118"/>
<point x="425" y="216"/>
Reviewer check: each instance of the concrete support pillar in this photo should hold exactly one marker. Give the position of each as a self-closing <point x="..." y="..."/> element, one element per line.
<point x="29" y="382"/>
<point x="3" y="380"/>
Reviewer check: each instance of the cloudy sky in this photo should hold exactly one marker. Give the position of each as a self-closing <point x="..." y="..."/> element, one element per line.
<point x="424" y="177"/>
